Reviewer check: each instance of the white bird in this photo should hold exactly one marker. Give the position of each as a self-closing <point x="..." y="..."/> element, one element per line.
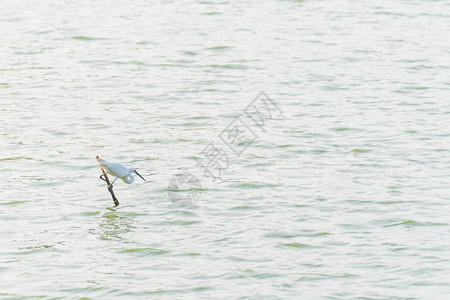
<point x="118" y="171"/>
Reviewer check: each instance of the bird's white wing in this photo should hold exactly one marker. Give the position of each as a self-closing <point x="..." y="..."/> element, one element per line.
<point x="114" y="168"/>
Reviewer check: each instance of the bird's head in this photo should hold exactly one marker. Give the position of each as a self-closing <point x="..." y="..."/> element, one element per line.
<point x="133" y="170"/>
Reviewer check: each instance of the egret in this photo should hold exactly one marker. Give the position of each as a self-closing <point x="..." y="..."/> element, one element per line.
<point x="118" y="171"/>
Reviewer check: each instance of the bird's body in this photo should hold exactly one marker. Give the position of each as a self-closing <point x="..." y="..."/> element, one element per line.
<point x="118" y="171"/>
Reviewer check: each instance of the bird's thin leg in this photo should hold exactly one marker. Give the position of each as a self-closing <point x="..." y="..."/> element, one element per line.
<point x="101" y="177"/>
<point x="111" y="185"/>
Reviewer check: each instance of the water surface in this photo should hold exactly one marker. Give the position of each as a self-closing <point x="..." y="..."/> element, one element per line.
<point x="344" y="197"/>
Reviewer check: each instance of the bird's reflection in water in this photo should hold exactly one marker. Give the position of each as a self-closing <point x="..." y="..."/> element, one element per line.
<point x="114" y="224"/>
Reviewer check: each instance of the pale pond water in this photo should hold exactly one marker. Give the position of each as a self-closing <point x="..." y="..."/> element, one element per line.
<point x="342" y="194"/>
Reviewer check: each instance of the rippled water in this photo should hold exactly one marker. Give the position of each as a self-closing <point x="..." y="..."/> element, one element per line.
<point x="344" y="196"/>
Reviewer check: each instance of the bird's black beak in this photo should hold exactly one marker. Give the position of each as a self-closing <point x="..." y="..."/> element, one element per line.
<point x="139" y="175"/>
